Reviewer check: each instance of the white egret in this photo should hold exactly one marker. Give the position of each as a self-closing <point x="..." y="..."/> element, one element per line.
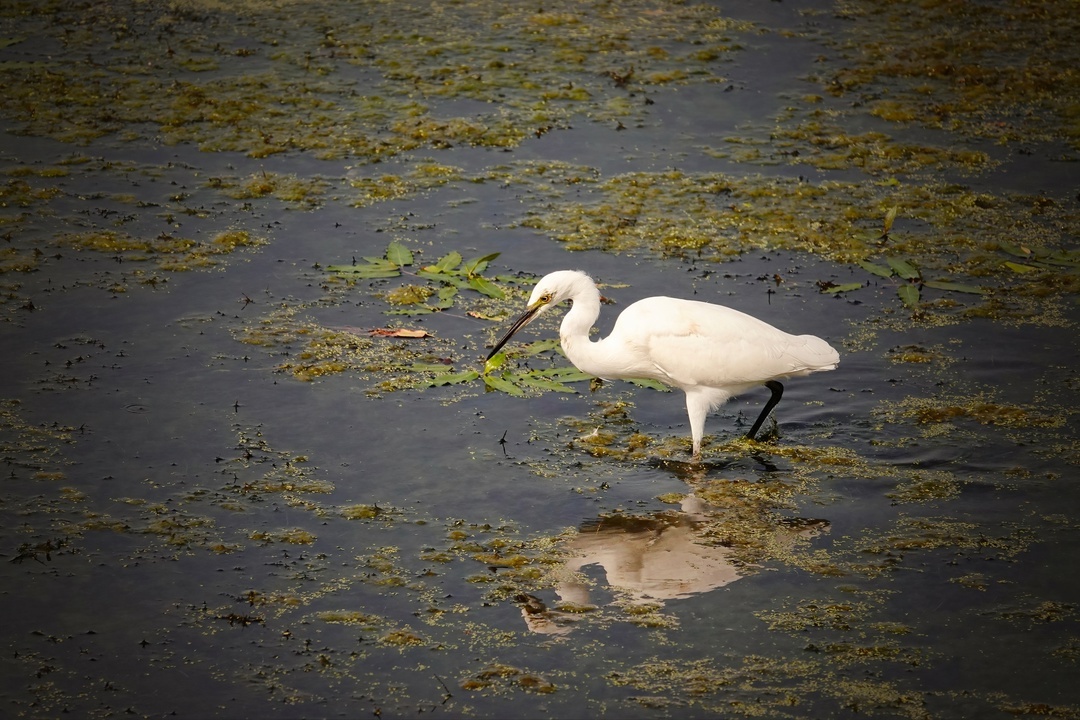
<point x="708" y="351"/>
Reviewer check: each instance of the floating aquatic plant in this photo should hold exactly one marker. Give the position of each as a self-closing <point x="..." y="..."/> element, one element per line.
<point x="446" y="279"/>
<point x="498" y="375"/>
<point x="910" y="290"/>
<point x="451" y="274"/>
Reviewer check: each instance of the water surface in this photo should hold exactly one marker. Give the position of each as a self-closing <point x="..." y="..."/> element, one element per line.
<point x="224" y="497"/>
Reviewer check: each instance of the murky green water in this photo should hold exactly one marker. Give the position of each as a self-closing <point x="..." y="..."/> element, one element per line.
<point x="232" y="488"/>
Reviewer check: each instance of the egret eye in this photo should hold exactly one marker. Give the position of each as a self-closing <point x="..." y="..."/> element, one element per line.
<point x="546" y="298"/>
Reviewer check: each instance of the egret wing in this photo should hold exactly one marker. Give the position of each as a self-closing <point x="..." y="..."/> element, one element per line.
<point x="692" y="343"/>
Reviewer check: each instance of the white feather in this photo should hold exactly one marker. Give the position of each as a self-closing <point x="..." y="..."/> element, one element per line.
<point x="708" y="351"/>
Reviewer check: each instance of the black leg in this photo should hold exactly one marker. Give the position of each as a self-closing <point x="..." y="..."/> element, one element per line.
<point x="777" y="392"/>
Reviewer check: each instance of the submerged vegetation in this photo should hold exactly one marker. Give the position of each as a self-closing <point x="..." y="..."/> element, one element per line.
<point x="1013" y="83"/>
<point x="375" y="132"/>
<point x="166" y="251"/>
<point x="353" y="84"/>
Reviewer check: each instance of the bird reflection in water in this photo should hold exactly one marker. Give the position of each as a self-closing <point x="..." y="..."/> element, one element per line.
<point x="649" y="559"/>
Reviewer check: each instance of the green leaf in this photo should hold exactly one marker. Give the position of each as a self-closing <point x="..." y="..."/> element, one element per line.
<point x="478" y="265"/>
<point x="542" y="346"/>
<point x="443" y="278"/>
<point x="446" y="263"/>
<point x="890" y="217"/>
<point x="565" y="374"/>
<point x="374" y="267"/>
<point x="368" y="263"/>
<point x="909" y="294"/>
<point x="1021" y="268"/>
<point x="496" y="362"/>
<point x="954" y="287"/>
<point x="446" y="297"/>
<point x="427" y="367"/>
<point x="486" y="287"/>
<point x="1069" y="259"/>
<point x="366" y="271"/>
<point x="846" y="287"/>
<point x="879" y="270"/>
<point x="1015" y="250"/>
<point x="399" y="254"/>
<point x="454" y="378"/>
<point x="542" y="384"/>
<point x="497" y="383"/>
<point x="514" y="279"/>
<point x="904" y="269"/>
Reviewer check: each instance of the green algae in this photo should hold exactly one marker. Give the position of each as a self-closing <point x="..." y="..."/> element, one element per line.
<point x="820" y="142"/>
<point x="716" y="216"/>
<point x="186" y="522"/>
<point x="668" y="214"/>
<point x="760" y="686"/>
<point x="840" y="633"/>
<point x="402" y="638"/>
<point x="321" y="351"/>
<point x="421" y="177"/>
<point x="370" y="512"/>
<point x="291" y="536"/>
<point x="21" y="194"/>
<point x="167" y="252"/>
<point x="256" y="92"/>
<point x="926" y="486"/>
<point x="404" y="358"/>
<point x="912" y="534"/>
<point x="981" y="408"/>
<point x="920" y="355"/>
<point x="295" y="191"/>
<point x="348" y="617"/>
<point x="1012" y="82"/>
<point x="974" y="581"/>
<point x="1046" y="611"/>
<point x="31" y="448"/>
<point x="507" y="677"/>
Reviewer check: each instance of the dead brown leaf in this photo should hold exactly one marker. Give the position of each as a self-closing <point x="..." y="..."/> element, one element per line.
<point x="399" y="333"/>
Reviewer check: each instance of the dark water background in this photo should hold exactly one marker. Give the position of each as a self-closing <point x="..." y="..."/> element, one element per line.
<point x="223" y="498"/>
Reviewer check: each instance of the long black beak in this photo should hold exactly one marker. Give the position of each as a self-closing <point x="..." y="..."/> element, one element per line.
<point x="527" y="317"/>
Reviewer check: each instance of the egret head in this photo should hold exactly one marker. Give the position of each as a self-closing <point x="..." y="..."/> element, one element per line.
<point x="551" y="290"/>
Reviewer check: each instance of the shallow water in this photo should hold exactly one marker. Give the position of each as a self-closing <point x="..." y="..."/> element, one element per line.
<point x="224" y="498"/>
